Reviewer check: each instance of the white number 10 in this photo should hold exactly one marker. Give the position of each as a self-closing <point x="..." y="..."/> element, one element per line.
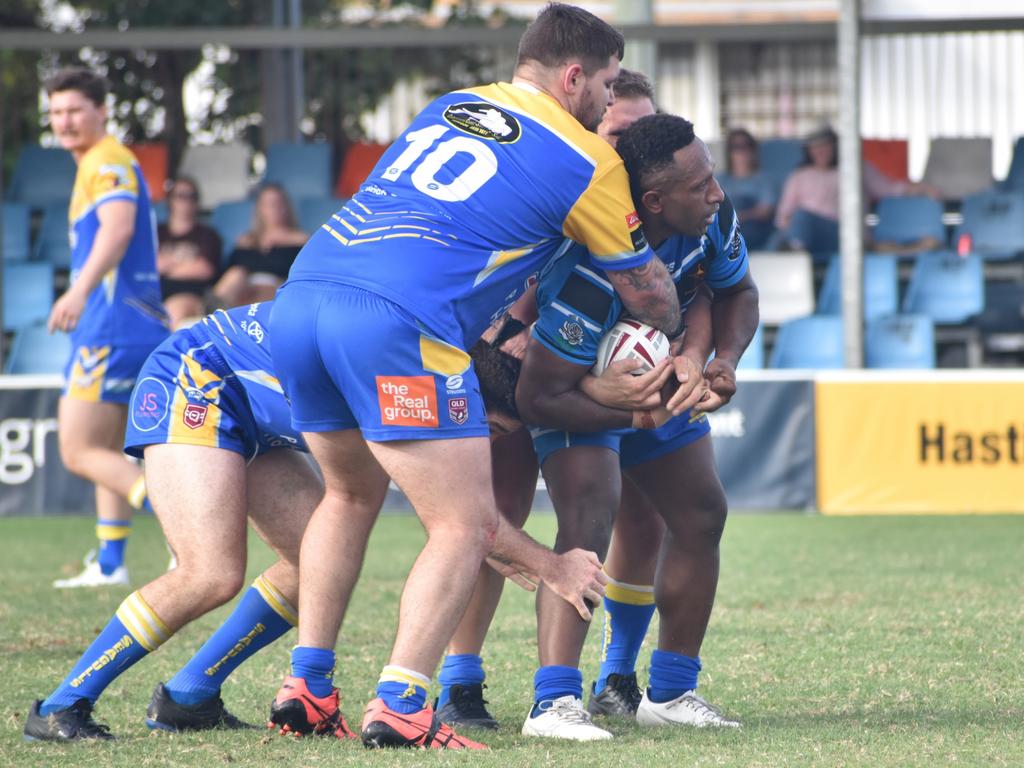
<point x="424" y="178"/>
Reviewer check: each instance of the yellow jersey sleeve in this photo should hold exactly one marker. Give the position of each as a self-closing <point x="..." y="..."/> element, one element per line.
<point x="605" y="221"/>
<point x="111" y="175"/>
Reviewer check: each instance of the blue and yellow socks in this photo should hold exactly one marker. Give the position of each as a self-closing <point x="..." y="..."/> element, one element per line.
<point x="402" y="690"/>
<point x="554" y="682"/>
<point x="459" y="669"/>
<point x="672" y="675"/>
<point x="113" y="536"/>
<point x="628" y="609"/>
<point x="263" y="615"/>
<point x="134" y="631"/>
<point x="316" y="667"/>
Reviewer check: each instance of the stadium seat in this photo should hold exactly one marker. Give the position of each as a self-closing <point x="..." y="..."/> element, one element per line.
<point x="35" y="350"/>
<point x="359" y="160"/>
<point x="232" y="220"/>
<point x="959" y="167"/>
<point x="28" y="293"/>
<point x="890" y="156"/>
<point x="905" y="220"/>
<point x="753" y="356"/>
<point x="304" y="170"/>
<point x="1002" y="321"/>
<point x="900" y="341"/>
<point x="42" y="175"/>
<point x="16" y="223"/>
<point x="153" y="158"/>
<point x="313" y="212"/>
<point x="881" y="287"/>
<point x="221" y="171"/>
<point x="52" y="242"/>
<point x="779" y="157"/>
<point x="949" y="289"/>
<point x="785" y="283"/>
<point x="995" y="223"/>
<point x="809" y="342"/>
<point x="1015" y="177"/>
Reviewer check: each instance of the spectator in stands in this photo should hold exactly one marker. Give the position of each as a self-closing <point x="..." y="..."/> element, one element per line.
<point x="189" y="255"/>
<point x="808" y="213"/>
<point x="752" y="192"/>
<point x="262" y="256"/>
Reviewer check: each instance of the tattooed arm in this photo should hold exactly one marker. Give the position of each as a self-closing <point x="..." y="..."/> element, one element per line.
<point x="649" y="294"/>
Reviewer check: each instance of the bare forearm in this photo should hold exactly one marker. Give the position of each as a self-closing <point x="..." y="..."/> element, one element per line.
<point x="514" y="546"/>
<point x="649" y="294"/>
<point x="108" y="249"/>
<point x="572" y="411"/>
<point x="734" y="322"/>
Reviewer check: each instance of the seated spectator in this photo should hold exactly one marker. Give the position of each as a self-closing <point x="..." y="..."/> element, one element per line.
<point x="188" y="259"/>
<point x="807" y="216"/>
<point x="752" y="192"/>
<point x="262" y="256"/>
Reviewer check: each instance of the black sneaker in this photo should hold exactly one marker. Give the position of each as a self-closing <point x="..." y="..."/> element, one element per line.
<point x="620" y="697"/>
<point x="466" y="706"/>
<point x="72" y="724"/>
<point x="166" y="714"/>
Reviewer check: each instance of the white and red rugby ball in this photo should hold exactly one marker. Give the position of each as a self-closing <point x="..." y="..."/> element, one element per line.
<point x="632" y="340"/>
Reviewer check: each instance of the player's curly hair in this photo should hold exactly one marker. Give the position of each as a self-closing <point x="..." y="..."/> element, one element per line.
<point x="498" y="374"/>
<point x="562" y="32"/>
<point x="647" y="147"/>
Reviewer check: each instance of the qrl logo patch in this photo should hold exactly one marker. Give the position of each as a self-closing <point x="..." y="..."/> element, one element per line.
<point x="194" y="415"/>
<point x="458" y="409"/>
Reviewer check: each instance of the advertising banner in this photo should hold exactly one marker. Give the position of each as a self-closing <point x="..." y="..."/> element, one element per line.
<point x="935" y="442"/>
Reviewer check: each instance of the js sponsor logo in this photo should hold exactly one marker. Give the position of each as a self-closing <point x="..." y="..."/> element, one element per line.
<point x="940" y="445"/>
<point x="194" y="415"/>
<point x="149" y="404"/>
<point x="407" y="401"/>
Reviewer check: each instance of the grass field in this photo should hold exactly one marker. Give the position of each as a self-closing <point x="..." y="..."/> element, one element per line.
<point x="838" y="642"/>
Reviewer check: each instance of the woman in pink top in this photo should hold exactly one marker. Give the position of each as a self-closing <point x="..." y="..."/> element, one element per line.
<point x="808" y="212"/>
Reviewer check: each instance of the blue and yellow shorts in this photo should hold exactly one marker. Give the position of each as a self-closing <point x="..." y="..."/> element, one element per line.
<point x="104" y="374"/>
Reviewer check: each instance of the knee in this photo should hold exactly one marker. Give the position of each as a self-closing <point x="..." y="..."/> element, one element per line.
<point x="211" y="587"/>
<point x="710" y="518"/>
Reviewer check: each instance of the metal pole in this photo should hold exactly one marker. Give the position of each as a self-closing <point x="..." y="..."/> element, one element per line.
<point x="641" y="55"/>
<point x="297" y="102"/>
<point x="3" y="256"/>
<point x="851" y="210"/>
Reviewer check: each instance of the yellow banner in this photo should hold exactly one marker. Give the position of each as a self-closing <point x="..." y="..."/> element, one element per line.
<point x="920" y="447"/>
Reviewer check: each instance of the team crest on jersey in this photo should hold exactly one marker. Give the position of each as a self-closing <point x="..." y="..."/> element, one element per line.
<point x="458" y="409"/>
<point x="485" y="121"/>
<point x="113" y="176"/>
<point x="735" y="245"/>
<point x="194" y="415"/>
<point x="572" y="332"/>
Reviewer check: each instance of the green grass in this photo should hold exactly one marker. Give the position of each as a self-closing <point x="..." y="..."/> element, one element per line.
<point x="838" y="642"/>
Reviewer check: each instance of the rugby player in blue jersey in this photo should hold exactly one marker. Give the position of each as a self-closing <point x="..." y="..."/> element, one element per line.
<point x="211" y="420"/>
<point x="380" y="307"/>
<point x="112" y="311"/>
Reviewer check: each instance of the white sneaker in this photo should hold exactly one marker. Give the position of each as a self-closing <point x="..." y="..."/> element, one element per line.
<point x="564" y="718"/>
<point x="92" y="576"/>
<point x="688" y="709"/>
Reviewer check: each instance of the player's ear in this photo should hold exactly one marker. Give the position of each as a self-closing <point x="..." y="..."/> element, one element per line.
<point x="651" y="200"/>
<point x="572" y="77"/>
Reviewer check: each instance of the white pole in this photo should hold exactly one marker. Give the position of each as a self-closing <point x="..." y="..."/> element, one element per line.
<point x="851" y="209"/>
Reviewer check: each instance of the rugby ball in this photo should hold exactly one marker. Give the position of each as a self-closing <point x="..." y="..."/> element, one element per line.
<point x="632" y="340"/>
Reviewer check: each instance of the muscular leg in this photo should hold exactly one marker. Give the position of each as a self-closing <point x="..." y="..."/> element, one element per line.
<point x="585" y="485"/>
<point x="636" y="538"/>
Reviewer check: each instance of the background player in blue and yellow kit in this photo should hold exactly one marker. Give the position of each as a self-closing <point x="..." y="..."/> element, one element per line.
<point x="381" y="305"/>
<point x="213" y="424"/>
<point x="112" y="310"/>
<point x="669" y="470"/>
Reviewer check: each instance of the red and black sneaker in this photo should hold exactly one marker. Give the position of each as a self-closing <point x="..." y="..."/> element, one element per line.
<point x="383" y="727"/>
<point x="298" y="712"/>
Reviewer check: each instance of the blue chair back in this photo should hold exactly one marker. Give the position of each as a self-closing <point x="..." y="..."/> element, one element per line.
<point x="314" y="212"/>
<point x="16" y="243"/>
<point x="34" y="350"/>
<point x="1015" y="178"/>
<point x="779" y="158"/>
<point x="42" y="175"/>
<point x="900" y="341"/>
<point x="995" y="222"/>
<point x="232" y="220"/>
<point x="753" y="357"/>
<point x="809" y="342"/>
<point x="881" y="287"/>
<point x="906" y="220"/>
<point x="949" y="289"/>
<point x="53" y="243"/>
<point x="304" y="170"/>
<point x="28" y="293"/>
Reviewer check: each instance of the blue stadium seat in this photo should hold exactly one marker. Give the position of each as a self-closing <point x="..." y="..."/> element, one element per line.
<point x="1015" y="178"/>
<point x="881" y="287"/>
<point x="995" y="222"/>
<point x="779" y="157"/>
<point x="313" y="212"/>
<point x="232" y="220"/>
<point x="16" y="244"/>
<point x="52" y="243"/>
<point x="809" y="342"/>
<point x="900" y="341"/>
<point x="753" y="357"/>
<point x="906" y="220"/>
<point x="304" y="170"/>
<point x="42" y="175"/>
<point x="34" y="350"/>
<point x="28" y="293"/>
<point x="949" y="289"/>
<point x="160" y="209"/>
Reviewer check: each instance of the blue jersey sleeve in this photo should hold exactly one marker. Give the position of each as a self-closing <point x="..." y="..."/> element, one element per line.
<point x="576" y="307"/>
<point x="727" y="251"/>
